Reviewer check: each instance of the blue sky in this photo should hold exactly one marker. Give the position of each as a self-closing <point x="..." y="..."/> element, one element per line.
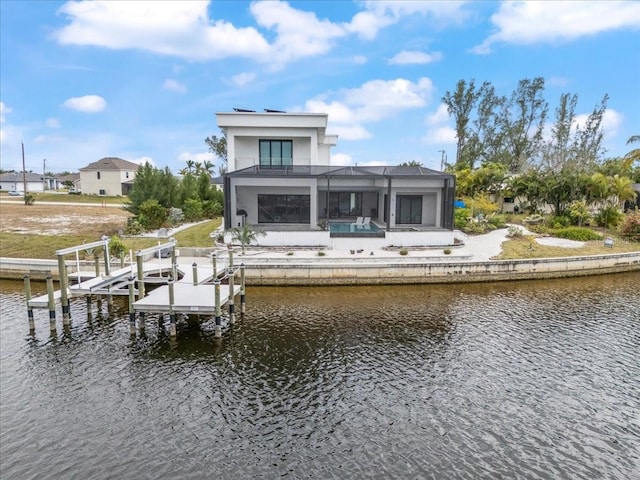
<point x="142" y="80"/>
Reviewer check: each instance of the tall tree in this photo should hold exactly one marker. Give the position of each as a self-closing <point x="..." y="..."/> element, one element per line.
<point x="521" y="121"/>
<point x="218" y="146"/>
<point x="460" y="105"/>
<point x="558" y="150"/>
<point x="588" y="137"/>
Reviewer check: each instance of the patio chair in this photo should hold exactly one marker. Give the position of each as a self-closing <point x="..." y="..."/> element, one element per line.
<point x="359" y="221"/>
<point x="367" y="221"/>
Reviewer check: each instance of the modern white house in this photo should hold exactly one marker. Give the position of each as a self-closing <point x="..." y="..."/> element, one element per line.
<point x="281" y="181"/>
<point x="108" y="176"/>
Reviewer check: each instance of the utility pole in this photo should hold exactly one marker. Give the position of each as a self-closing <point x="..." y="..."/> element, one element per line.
<point x="443" y="159"/>
<point x="44" y="169"/>
<point x="24" y="175"/>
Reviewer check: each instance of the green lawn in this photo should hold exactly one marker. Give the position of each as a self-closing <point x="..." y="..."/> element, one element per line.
<point x="65" y="197"/>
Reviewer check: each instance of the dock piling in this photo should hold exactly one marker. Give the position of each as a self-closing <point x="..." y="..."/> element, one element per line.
<point x="195" y="273"/>
<point x="51" y="303"/>
<point x="172" y="316"/>
<point x="232" y="310"/>
<point x="132" y="313"/>
<point x="64" y="291"/>
<point x="218" y="327"/>
<point x="27" y="292"/>
<point x="139" y="261"/>
<point x="242" y="293"/>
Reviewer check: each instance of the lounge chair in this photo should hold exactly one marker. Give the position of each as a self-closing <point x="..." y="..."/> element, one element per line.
<point x="366" y="221"/>
<point x="359" y="221"/>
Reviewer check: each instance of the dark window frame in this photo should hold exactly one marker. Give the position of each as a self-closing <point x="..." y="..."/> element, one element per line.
<point x="412" y="218"/>
<point x="274" y="159"/>
<point x="284" y="208"/>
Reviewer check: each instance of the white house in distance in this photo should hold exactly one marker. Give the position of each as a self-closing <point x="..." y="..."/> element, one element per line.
<point x="108" y="176"/>
<point x="35" y="182"/>
<point x="280" y="180"/>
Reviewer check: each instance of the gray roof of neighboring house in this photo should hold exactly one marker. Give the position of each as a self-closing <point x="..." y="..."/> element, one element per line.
<point x="217" y="180"/>
<point x="17" y="177"/>
<point x="111" y="163"/>
<point x="71" y="177"/>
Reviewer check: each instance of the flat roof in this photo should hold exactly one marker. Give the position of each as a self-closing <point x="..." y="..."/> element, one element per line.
<point x="387" y="171"/>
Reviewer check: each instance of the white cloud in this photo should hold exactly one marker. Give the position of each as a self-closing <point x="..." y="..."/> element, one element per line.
<point x="86" y="104"/>
<point x="143" y="160"/>
<point x="439" y="117"/>
<point x="359" y="59"/>
<point x="341" y="159"/>
<point x="557" y="81"/>
<point x="611" y="121"/>
<point x="185" y="30"/>
<point x="174" y="86"/>
<point x="52" y="122"/>
<point x="243" y="78"/>
<point x="414" y="57"/>
<point x="440" y="135"/>
<point x="180" y="29"/>
<point x="349" y="132"/>
<point x="527" y="23"/>
<point x="197" y="157"/>
<point x="4" y="109"/>
<point x="299" y="33"/>
<point x="373" y="101"/>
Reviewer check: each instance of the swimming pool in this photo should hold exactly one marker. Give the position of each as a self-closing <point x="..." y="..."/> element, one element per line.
<point x="342" y="229"/>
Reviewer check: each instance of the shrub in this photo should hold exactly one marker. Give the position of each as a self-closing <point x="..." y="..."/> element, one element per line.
<point x="461" y="217"/>
<point x="289" y="254"/>
<point x="609" y="217"/>
<point x="630" y="227"/>
<point x="498" y="221"/>
<point x="578" y="212"/>
<point x="176" y="217"/>
<point x="321" y="253"/>
<point x="29" y="199"/>
<point x="558" y="221"/>
<point x="116" y="246"/>
<point x="403" y="251"/>
<point x="193" y="210"/>
<point x="211" y="209"/>
<point x="133" y="227"/>
<point x="151" y="215"/>
<point x="447" y="251"/>
<point x="514" y="232"/>
<point x="579" y="234"/>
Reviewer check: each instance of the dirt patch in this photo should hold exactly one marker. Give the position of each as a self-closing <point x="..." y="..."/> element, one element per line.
<point x="61" y="219"/>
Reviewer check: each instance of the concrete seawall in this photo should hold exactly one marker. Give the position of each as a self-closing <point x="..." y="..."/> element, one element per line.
<point x="363" y="271"/>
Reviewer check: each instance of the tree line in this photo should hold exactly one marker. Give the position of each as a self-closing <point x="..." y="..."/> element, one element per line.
<point x="158" y="198"/>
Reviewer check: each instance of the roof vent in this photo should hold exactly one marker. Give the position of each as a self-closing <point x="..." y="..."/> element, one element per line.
<point x="268" y="110"/>
<point x="242" y="110"/>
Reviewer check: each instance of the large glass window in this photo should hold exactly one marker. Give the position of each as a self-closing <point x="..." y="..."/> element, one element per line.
<point x="276" y="153"/>
<point x="284" y="208"/>
<point x="409" y="209"/>
<point x="345" y="204"/>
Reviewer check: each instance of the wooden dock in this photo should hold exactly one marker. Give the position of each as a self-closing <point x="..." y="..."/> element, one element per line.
<point x="179" y="287"/>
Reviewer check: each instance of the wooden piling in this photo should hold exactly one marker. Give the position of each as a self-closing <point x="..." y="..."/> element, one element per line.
<point x="27" y="293"/>
<point x="214" y="261"/>
<point x="132" y="313"/>
<point x="139" y="261"/>
<point x="52" y="304"/>
<point x="195" y="273"/>
<point x="64" y="290"/>
<point x="242" y="293"/>
<point x="217" y="333"/>
<point x="172" y="316"/>
<point x="107" y="261"/>
<point x="232" y="312"/>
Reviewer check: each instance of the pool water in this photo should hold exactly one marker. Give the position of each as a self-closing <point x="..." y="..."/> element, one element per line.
<point x="352" y="228"/>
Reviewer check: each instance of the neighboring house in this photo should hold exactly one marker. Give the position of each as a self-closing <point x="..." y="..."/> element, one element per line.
<point x="280" y="179"/>
<point x="15" y="182"/>
<point x="71" y="181"/>
<point x="631" y="204"/>
<point x="217" y="182"/>
<point x="108" y="176"/>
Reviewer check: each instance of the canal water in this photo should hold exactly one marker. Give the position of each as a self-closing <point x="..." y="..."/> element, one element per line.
<point x="532" y="380"/>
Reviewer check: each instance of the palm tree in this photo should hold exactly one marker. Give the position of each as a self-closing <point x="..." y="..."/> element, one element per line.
<point x="622" y="189"/>
<point x="208" y="167"/>
<point x="245" y="235"/>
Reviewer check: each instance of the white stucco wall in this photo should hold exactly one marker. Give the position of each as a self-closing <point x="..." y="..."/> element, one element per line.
<point x="110" y="181"/>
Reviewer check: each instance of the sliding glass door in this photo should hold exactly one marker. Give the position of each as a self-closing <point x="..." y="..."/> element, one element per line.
<point x="409" y="209"/>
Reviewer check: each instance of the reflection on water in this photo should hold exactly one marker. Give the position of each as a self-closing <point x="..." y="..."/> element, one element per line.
<point x="503" y="380"/>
